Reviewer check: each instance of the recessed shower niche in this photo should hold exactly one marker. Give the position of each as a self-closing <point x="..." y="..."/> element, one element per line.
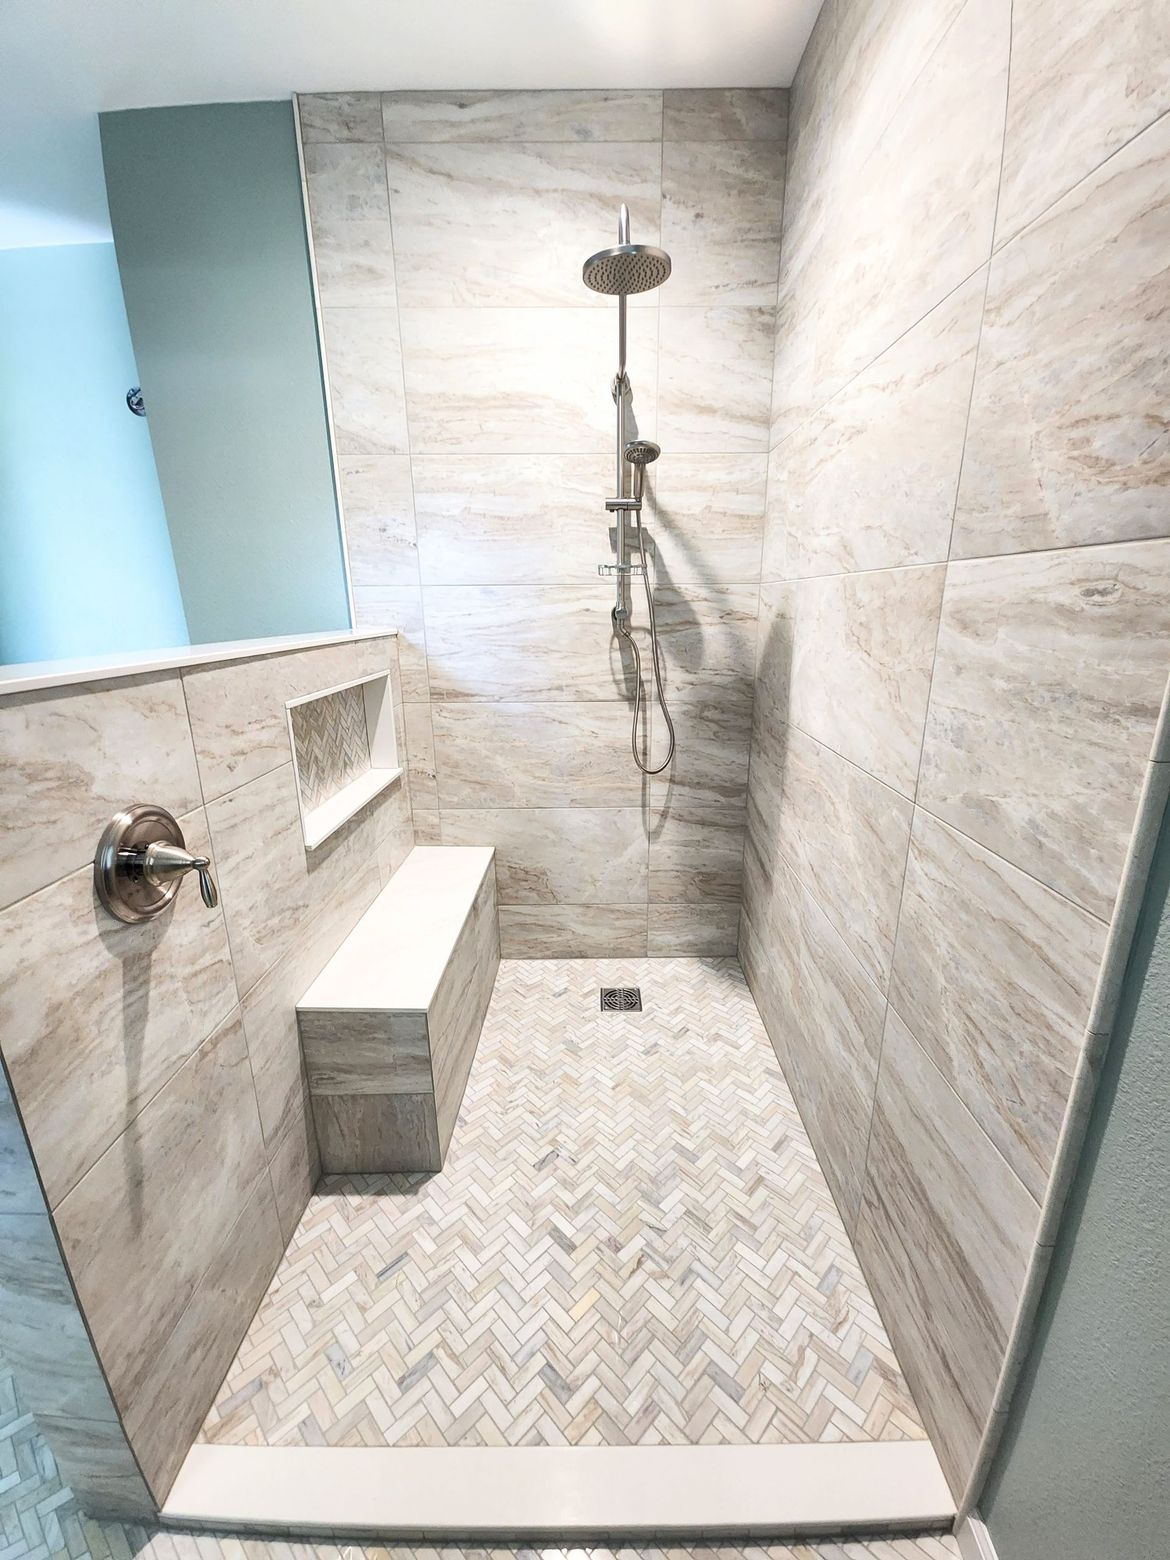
<point x="345" y="752"/>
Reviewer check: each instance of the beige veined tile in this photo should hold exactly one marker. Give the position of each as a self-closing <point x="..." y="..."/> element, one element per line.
<point x="398" y="607"/>
<point x="558" y="855"/>
<point x="340" y="116"/>
<point x="364" y="361"/>
<point x="861" y="664"/>
<point x="725" y="114"/>
<point x="1048" y="682"/>
<point x="1084" y="80"/>
<point x="708" y="642"/>
<point x="692" y="930"/>
<point x="553" y="644"/>
<point x="353" y="249"/>
<point x="696" y="855"/>
<point x="706" y="524"/>
<point x="96" y="1015"/>
<point x="722" y="203"/>
<point x="512" y="519"/>
<point x="869" y="482"/>
<point x="378" y="501"/>
<point x="522" y="116"/>
<point x="518" y="754"/>
<point x="71" y="757"/>
<point x="522" y="381"/>
<point x="996" y="973"/>
<point x="572" y="931"/>
<point x="420" y="754"/>
<point x="153" y="1213"/>
<point x="710" y="767"/>
<point x="1067" y="442"/>
<point x="714" y="379"/>
<point x="945" y="1233"/>
<point x="459" y="209"/>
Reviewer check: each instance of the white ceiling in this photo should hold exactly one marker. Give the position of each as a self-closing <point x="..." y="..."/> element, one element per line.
<point x="62" y="61"/>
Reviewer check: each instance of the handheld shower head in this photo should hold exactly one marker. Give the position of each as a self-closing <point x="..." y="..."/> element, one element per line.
<point x="642" y="452"/>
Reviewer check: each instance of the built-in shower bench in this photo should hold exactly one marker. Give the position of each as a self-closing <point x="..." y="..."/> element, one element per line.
<point x="390" y="1026"/>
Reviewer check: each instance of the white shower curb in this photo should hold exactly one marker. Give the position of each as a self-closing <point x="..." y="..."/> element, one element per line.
<point x="515" y="1493"/>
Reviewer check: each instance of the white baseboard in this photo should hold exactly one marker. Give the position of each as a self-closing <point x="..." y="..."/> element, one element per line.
<point x="974" y="1540"/>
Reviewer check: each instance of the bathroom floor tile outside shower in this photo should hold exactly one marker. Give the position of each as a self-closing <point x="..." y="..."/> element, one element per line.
<point x="631" y="1244"/>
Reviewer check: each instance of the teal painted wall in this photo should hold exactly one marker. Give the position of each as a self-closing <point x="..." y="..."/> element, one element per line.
<point x="205" y="205"/>
<point x="81" y="516"/>
<point x="1084" y="1469"/>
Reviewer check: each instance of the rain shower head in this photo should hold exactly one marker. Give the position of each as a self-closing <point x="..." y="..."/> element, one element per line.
<point x="642" y="452"/>
<point x="626" y="269"/>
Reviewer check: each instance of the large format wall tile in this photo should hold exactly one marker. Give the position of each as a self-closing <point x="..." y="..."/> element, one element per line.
<point x="944" y="1233"/>
<point x="721" y="210"/>
<point x="458" y="210"/>
<point x="377" y="498"/>
<point x="845" y="835"/>
<point x="600" y="115"/>
<point x="995" y="973"/>
<point x="558" y="855"/>
<point x="557" y="643"/>
<point x="573" y="931"/>
<point x="70" y="758"/>
<point x="507" y="754"/>
<point x="861" y="666"/>
<point x="1068" y="442"/>
<point x="710" y="768"/>
<point x="724" y="114"/>
<point x="398" y="607"/>
<point x="96" y="1015"/>
<point x="364" y="353"/>
<point x="701" y="930"/>
<point x="696" y="854"/>
<point x="340" y="116"/>
<point x="237" y="710"/>
<point x="707" y="525"/>
<point x="512" y="519"/>
<point x="869" y="482"/>
<point x="353" y="250"/>
<point x="707" y="639"/>
<point x="132" y="1226"/>
<point x="1047" y="686"/>
<point x="517" y="380"/>
<point x="1085" y="79"/>
<point x="714" y="379"/>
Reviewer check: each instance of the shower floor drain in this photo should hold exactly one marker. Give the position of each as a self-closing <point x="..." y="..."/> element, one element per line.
<point x="621" y="999"/>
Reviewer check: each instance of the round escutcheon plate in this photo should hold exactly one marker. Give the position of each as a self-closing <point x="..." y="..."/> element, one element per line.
<point x="117" y="873"/>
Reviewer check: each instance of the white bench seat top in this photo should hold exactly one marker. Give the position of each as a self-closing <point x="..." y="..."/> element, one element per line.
<point x="396" y="954"/>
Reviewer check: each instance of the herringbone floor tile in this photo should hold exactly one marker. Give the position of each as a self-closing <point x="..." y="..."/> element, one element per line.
<point x="631" y="1244"/>
<point x="39" y="1520"/>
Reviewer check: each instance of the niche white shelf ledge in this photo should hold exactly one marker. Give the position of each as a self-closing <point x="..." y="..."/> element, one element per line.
<point x="322" y="817"/>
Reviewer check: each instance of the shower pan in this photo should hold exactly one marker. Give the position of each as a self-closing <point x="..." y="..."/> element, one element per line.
<point x="621" y="271"/>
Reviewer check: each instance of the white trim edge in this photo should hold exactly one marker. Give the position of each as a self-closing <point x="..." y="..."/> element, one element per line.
<point x="515" y="1492"/>
<point x="974" y="1539"/>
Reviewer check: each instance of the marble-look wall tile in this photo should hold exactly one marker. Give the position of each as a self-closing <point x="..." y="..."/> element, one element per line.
<point x="823" y="1016"/>
<point x="367" y="1134"/>
<point x="353" y="248"/>
<point x="420" y="754"/>
<point x="558" y="644"/>
<point x="707" y="523"/>
<point x="72" y="757"/>
<point x="707" y="639"/>
<point x="95" y="1462"/>
<point x="986" y="955"/>
<point x="457" y="209"/>
<point x="237" y="710"/>
<point x="600" y="115"/>
<point x="398" y="607"/>
<point x="520" y="381"/>
<point x="363" y="351"/>
<point x="944" y="1234"/>
<point x="573" y="931"/>
<point x="294" y="1168"/>
<point x="714" y="379"/>
<point x="20" y="1191"/>
<point x="377" y="497"/>
<point x="340" y="116"/>
<point x="355" y="1052"/>
<point x="427" y="827"/>
<point x="1085" y="79"/>
<point x="1049" y="678"/>
<point x="725" y="114"/>
<point x="132" y="1226"/>
<point x="869" y="482"/>
<point x="710" y="768"/>
<point x="845" y="835"/>
<point x="721" y="208"/>
<point x="696" y="854"/>
<point x="692" y="930"/>
<point x="1068" y="442"/>
<point x="559" y="855"/>
<point x="510" y="754"/>
<point x="861" y="666"/>
<point x="188" y="1369"/>
<point x="512" y="519"/>
<point x="96" y="1015"/>
<point x="456" y="1015"/>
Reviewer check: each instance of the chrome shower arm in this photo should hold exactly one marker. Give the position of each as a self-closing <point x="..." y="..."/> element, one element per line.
<point x="623" y="238"/>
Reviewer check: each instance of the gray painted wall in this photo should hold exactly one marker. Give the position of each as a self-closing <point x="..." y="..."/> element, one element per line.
<point x="208" y="222"/>
<point x="1084" y="1470"/>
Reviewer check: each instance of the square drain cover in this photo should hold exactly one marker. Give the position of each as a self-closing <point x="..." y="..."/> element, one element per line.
<point x="621" y="999"/>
